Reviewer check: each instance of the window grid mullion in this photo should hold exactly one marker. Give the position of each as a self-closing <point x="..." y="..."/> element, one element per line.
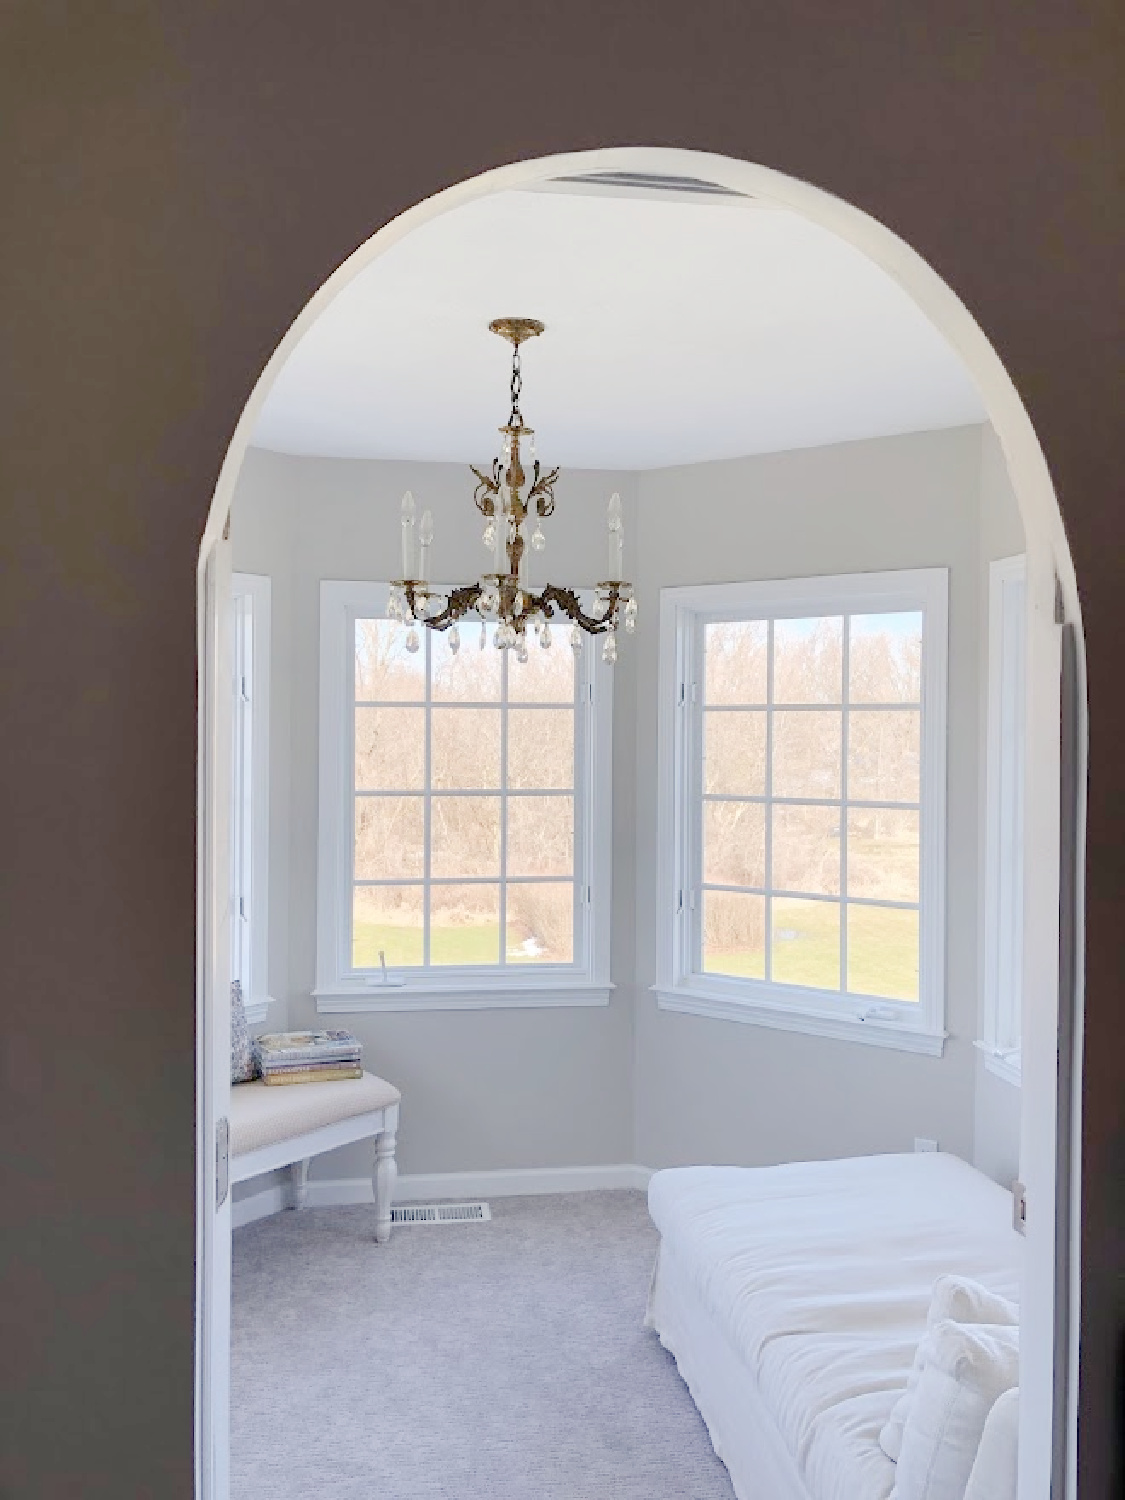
<point x="821" y="896"/>
<point x="868" y="802"/>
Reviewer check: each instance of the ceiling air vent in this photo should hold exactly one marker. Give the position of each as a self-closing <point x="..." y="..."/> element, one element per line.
<point x="440" y="1213"/>
<point x="652" y="182"/>
<point x="651" y="185"/>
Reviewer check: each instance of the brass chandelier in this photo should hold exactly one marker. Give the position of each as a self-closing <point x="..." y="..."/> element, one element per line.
<point x="508" y="498"/>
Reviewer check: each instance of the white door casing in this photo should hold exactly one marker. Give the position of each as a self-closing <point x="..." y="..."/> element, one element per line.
<point x="213" y="1217"/>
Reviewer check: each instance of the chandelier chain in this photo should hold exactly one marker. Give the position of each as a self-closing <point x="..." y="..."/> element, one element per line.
<point x="516" y="418"/>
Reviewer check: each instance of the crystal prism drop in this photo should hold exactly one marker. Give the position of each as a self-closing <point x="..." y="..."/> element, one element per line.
<point x="576" y="637"/>
<point x="609" y="650"/>
<point x="545" y="636"/>
<point x="454" y="640"/>
<point x="412" y="641"/>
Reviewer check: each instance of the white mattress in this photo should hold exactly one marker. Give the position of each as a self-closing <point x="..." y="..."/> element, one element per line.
<point x="819" y="1275"/>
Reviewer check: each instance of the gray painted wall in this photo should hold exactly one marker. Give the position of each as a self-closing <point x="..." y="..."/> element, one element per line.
<point x="493" y="1089"/>
<point x="996" y="1105"/>
<point x="481" y="1089"/>
<point x="720" y="1091"/>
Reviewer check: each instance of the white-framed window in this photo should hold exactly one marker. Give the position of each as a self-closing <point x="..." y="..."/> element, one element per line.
<point x="1004" y="852"/>
<point x="464" y="841"/>
<point x="250" y="598"/>
<point x="802" y="810"/>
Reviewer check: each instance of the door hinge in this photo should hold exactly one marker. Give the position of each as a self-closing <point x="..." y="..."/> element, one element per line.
<point x="222" y="1160"/>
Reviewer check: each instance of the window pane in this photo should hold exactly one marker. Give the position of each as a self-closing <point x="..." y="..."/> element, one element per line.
<point x="464" y="836"/>
<point x="883" y="854"/>
<point x="464" y="924"/>
<point x="465" y="748"/>
<point x="387" y="917"/>
<point x="734" y="843"/>
<point x="734" y="752"/>
<point x="806" y="753"/>
<point x="734" y="934"/>
<point x="540" y="924"/>
<point x="806" y="849"/>
<point x="546" y="676"/>
<point x="388" y="838"/>
<point x="470" y="676"/>
<point x="808" y="661"/>
<point x="885" y="658"/>
<point x="883" y="952"/>
<point x="540" y="835"/>
<point x="883" y="756"/>
<point x="805" y="943"/>
<point x="734" y="662"/>
<point x="384" y="669"/>
<point x="541" y="748"/>
<point x="390" y="749"/>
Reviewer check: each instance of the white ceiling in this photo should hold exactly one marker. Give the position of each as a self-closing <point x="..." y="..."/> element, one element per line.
<point x="679" y="328"/>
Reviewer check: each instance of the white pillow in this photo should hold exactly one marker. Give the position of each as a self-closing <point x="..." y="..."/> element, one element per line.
<point x="965" y="1369"/>
<point x="962" y="1301"/>
<point x="994" y="1471"/>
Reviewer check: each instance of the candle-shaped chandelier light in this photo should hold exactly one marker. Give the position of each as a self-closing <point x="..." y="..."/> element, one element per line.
<point x="509" y="498"/>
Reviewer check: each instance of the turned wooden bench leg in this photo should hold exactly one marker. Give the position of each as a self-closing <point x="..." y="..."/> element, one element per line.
<point x="383" y="1181"/>
<point x="299" y="1183"/>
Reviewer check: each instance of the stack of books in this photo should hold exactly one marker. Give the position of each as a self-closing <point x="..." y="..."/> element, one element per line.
<point x="308" y="1056"/>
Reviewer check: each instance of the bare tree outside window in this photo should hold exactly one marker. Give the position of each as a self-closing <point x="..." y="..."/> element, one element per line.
<point x="811" y="788"/>
<point x="464" y="787"/>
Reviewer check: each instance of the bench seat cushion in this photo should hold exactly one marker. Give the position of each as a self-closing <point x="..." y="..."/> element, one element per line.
<point x="262" y="1114"/>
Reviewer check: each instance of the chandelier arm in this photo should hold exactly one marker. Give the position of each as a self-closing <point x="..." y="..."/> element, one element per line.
<point x="485" y="492"/>
<point x="566" y="603"/>
<point x="457" y="605"/>
<point x="543" y="491"/>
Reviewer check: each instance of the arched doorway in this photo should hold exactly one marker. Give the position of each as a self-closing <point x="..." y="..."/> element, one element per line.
<point x="1050" y="575"/>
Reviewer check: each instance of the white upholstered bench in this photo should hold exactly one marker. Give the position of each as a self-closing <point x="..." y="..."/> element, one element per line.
<point x="286" y="1125"/>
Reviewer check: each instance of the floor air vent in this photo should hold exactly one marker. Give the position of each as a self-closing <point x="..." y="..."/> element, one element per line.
<point x="440" y="1213"/>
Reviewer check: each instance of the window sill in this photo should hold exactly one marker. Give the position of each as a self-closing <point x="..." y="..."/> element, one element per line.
<point x="339" y="1001"/>
<point x="1005" y="1065"/>
<point x="257" y="1010"/>
<point x="872" y="1031"/>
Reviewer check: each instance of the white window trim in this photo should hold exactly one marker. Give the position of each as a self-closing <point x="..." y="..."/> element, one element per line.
<point x="911" y="1027"/>
<point x="257" y="589"/>
<point x="1003" y="873"/>
<point x="339" y="990"/>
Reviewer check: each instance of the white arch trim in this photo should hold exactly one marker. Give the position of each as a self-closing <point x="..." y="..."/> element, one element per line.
<point x="1049" y="559"/>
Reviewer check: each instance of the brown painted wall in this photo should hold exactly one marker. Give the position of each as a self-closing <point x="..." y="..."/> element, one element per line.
<point x="178" y="179"/>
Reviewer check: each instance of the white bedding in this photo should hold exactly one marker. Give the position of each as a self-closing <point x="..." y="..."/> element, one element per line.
<point x="819" y="1275"/>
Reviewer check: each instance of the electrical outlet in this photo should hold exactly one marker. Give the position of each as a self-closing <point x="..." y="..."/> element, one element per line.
<point x="924" y="1143"/>
<point x="1019" y="1207"/>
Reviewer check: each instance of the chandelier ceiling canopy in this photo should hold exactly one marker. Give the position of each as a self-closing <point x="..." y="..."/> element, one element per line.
<point x="509" y="497"/>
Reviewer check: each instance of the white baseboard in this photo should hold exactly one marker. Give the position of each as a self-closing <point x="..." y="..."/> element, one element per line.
<point x="422" y="1187"/>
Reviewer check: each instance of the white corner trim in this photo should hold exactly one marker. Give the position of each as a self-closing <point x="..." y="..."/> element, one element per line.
<point x="424" y="1187"/>
<point x="872" y="1032"/>
<point x="1005" y="1065"/>
<point x="374" y="998"/>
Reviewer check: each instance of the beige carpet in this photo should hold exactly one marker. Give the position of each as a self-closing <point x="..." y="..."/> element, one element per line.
<point x="505" y="1360"/>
